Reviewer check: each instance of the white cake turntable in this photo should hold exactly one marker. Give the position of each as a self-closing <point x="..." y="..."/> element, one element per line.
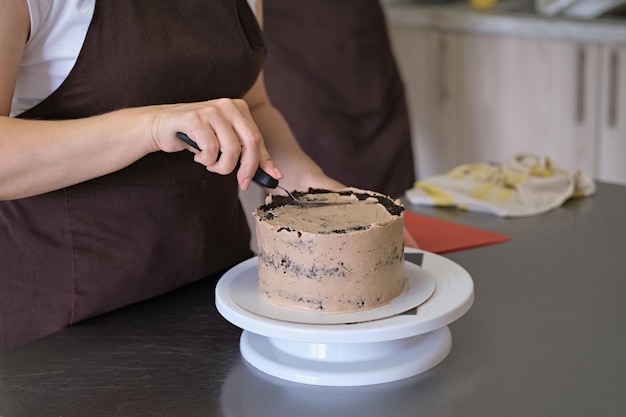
<point x="398" y="340"/>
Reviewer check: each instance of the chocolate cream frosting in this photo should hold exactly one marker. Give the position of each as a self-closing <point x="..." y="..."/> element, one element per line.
<point x="343" y="255"/>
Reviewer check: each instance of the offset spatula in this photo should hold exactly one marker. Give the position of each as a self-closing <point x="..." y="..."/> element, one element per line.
<point x="260" y="177"/>
<point x="264" y="179"/>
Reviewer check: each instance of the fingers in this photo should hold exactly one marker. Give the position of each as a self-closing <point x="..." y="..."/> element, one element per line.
<point x="265" y="163"/>
<point x="219" y="128"/>
<point x="253" y="153"/>
<point x="224" y="134"/>
<point x="222" y="149"/>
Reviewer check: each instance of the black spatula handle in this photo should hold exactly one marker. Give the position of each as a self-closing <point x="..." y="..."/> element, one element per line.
<point x="260" y="177"/>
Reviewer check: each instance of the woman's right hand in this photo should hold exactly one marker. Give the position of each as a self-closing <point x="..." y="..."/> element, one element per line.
<point x="34" y="154"/>
<point x="223" y="129"/>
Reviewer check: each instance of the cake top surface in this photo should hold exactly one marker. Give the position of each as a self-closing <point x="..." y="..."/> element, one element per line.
<point x="323" y="212"/>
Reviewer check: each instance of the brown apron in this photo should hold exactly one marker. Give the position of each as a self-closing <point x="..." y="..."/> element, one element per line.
<point x="161" y="222"/>
<point x="330" y="71"/>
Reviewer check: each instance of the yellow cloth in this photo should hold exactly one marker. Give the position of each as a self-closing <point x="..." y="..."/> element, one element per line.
<point x="524" y="185"/>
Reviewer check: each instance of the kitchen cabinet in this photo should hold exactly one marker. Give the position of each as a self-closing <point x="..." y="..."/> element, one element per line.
<point x="477" y="97"/>
<point x="611" y="147"/>
<point x="524" y="95"/>
<point x="419" y="55"/>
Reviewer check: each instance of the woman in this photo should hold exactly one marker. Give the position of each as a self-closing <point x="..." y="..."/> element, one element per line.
<point x="100" y="206"/>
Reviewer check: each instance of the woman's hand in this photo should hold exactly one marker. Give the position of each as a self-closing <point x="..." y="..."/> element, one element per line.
<point x="224" y="131"/>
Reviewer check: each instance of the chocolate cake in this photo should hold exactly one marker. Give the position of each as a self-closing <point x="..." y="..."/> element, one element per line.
<point x="330" y="251"/>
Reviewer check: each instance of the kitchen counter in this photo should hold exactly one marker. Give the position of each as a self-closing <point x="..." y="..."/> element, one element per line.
<point x="505" y="20"/>
<point x="546" y="336"/>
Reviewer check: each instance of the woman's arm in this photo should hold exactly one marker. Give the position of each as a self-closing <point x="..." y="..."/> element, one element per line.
<point x="299" y="170"/>
<point x="41" y="156"/>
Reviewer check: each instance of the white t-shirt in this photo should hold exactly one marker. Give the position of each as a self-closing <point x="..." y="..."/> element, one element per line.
<point x="57" y="32"/>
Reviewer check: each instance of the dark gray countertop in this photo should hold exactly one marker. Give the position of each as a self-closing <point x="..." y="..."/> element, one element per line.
<point x="546" y="336"/>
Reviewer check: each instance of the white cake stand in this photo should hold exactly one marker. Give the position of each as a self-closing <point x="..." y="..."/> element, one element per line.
<point x="360" y="353"/>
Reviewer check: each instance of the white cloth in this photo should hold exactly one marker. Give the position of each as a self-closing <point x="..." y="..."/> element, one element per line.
<point x="524" y="185"/>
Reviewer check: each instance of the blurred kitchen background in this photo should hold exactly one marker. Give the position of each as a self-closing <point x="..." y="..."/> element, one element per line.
<point x="486" y="79"/>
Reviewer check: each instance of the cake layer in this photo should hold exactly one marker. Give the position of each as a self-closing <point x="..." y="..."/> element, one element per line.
<point x="331" y="257"/>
